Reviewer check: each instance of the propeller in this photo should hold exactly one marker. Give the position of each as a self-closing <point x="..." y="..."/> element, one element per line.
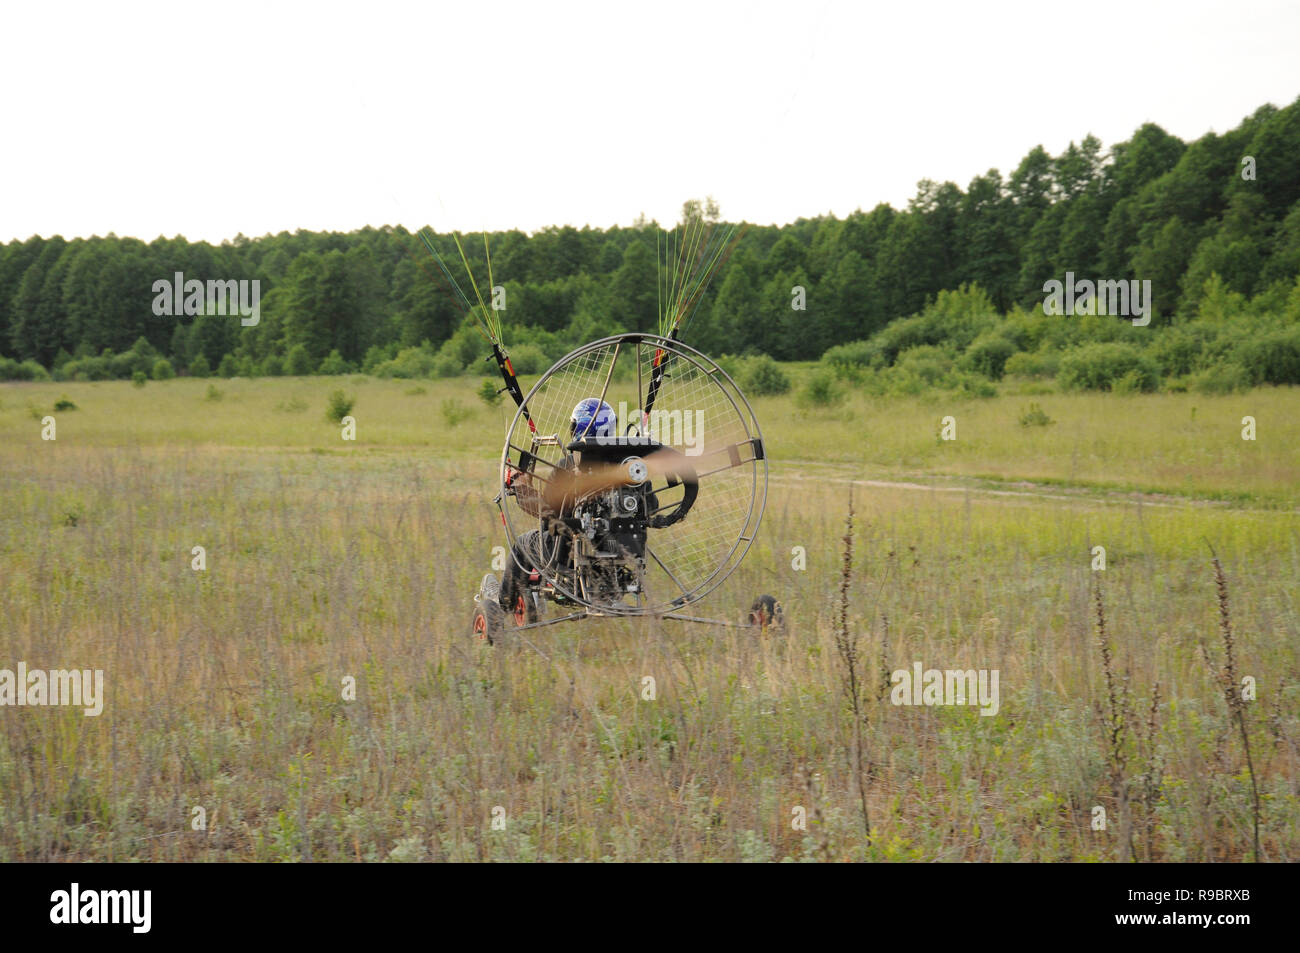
<point x="569" y="485"/>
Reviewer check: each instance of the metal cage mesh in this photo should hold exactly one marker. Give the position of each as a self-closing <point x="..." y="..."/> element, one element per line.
<point x="698" y="411"/>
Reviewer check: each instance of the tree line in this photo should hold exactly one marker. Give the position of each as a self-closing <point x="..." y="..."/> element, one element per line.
<point x="1221" y="212"/>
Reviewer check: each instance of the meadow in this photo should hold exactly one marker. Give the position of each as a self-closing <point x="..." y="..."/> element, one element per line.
<point x="329" y="560"/>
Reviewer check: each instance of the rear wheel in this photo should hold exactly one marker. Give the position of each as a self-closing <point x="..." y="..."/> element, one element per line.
<point x="489" y="618"/>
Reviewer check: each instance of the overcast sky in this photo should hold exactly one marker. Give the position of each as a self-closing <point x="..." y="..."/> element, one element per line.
<point x="211" y="120"/>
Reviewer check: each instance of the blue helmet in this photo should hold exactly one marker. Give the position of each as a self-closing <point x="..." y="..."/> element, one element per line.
<point x="593" y="417"/>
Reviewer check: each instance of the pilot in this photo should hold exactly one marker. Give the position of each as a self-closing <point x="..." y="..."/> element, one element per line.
<point x="591" y="417"/>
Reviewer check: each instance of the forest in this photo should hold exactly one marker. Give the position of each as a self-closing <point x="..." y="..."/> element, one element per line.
<point x="946" y="292"/>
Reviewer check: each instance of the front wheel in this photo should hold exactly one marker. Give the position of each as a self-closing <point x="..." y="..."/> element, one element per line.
<point x="527" y="609"/>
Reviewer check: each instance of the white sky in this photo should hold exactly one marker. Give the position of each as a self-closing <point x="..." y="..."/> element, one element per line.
<point x="211" y="120"/>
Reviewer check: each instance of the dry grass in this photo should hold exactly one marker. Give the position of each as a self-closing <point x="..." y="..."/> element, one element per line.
<point x="325" y="560"/>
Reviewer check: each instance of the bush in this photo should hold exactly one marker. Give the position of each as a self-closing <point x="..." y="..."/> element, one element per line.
<point x="1220" y="379"/>
<point x="953" y="320"/>
<point x="529" y="359"/>
<point x="334" y="365"/>
<point x="297" y="363"/>
<point x="761" y="376"/>
<point x="926" y="362"/>
<point x="162" y="370"/>
<point x="1035" y="417"/>
<point x="1178" y="350"/>
<point x="28" y="370"/>
<point x="1133" y="382"/>
<point x="1098" y="366"/>
<point x="227" y="368"/>
<point x="199" y="367"/>
<point x="214" y="394"/>
<point x="375" y="356"/>
<point x="453" y="412"/>
<point x="139" y="378"/>
<point x="272" y="366"/>
<point x="444" y="365"/>
<point x="988" y="355"/>
<point x="339" y="406"/>
<point x="488" y="393"/>
<point x="64" y="404"/>
<point x="1272" y="358"/>
<point x="466" y="346"/>
<point x="139" y="358"/>
<point x="87" y="369"/>
<point x="411" y="362"/>
<point x="851" y="359"/>
<point x="1039" y="364"/>
<point x="820" y="390"/>
<point x="972" y="385"/>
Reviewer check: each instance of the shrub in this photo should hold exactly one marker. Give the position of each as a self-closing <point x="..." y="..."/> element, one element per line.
<point x="927" y="362"/>
<point x="1098" y="366"/>
<point x="453" y="412"/>
<point x="227" y="367"/>
<point x="139" y="378"/>
<point x="272" y="366"/>
<point x="87" y="369"/>
<point x="973" y="385"/>
<point x="339" y="406"/>
<point x="988" y="355"/>
<point x="529" y="359"/>
<point x="762" y="377"/>
<point x="375" y="356"/>
<point x="297" y="363"/>
<point x="410" y="362"/>
<point x="1178" y="350"/>
<point x="851" y="359"/>
<point x="1133" y="382"/>
<point x="64" y="404"/>
<point x="444" y="365"/>
<point x="162" y="370"/>
<point x="1035" y="417"/>
<point x="820" y="390"/>
<point x="334" y="365"/>
<point x="1271" y="358"/>
<point x="199" y="367"/>
<point x="28" y="370"/>
<point x="1039" y="364"/>
<point x="1220" y="379"/>
<point x="214" y="394"/>
<point x="139" y="358"/>
<point x="465" y="346"/>
<point x="488" y="393"/>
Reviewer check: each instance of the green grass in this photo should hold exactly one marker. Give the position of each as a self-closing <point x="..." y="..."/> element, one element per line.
<point x="328" y="559"/>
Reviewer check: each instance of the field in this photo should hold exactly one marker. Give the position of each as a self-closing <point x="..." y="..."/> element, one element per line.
<point x="329" y="560"/>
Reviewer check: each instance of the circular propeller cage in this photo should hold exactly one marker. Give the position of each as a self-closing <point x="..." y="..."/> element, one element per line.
<point x="654" y="516"/>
